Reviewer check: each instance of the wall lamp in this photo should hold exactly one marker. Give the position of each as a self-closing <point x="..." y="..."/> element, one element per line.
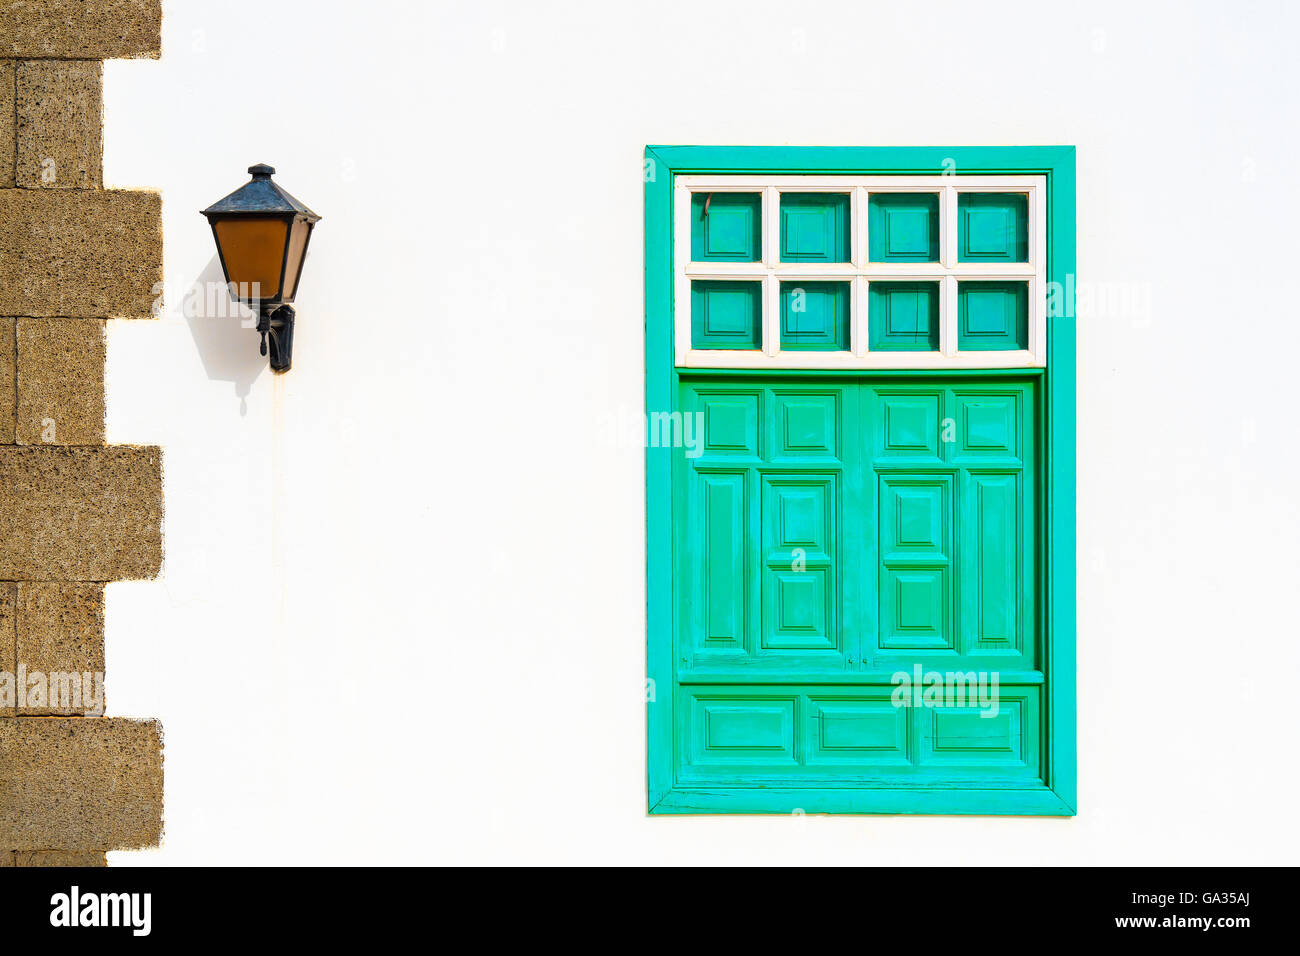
<point x="262" y="234"/>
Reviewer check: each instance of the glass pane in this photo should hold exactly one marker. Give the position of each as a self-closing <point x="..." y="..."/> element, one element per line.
<point x="293" y="262"/>
<point x="253" y="250"/>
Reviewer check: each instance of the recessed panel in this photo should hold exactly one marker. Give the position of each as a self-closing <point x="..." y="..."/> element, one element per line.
<point x="992" y="316"/>
<point x="815" y="316"/>
<point x="992" y="227"/>
<point x="961" y="728"/>
<point x="726" y="315"/>
<point x="802" y="518"/>
<point x="915" y="609"/>
<point x="723" y="536"/>
<point x="903" y="316"/>
<point x="735" y="730"/>
<point x="726" y="227"/>
<point x="916" y="546"/>
<point x="915" y="515"/>
<point x="730" y="423"/>
<point x="993" y="589"/>
<point x="988" y="425"/>
<point x="865" y="731"/>
<point x="814" y="227"/>
<point x="798" y="512"/>
<point x="918" y="517"/>
<point x="807" y="425"/>
<point x="991" y="732"/>
<point x="798" y="579"/>
<point x="908" y="424"/>
<point x="799" y="610"/>
<point x="903" y="227"/>
<point x="966" y="730"/>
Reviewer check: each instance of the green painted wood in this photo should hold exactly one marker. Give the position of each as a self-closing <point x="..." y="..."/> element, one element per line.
<point x="1057" y="547"/>
<point x="815" y="316"/>
<point x="882" y="373"/>
<point x="865" y="160"/>
<point x="903" y="316"/>
<point x="794" y="695"/>
<point x="726" y="315"/>
<point x="992" y="227"/>
<point x="814" y="227"/>
<point x="1029" y="801"/>
<point x="992" y="316"/>
<point x="820" y="533"/>
<point x="660" y="608"/>
<point x="726" y="227"/>
<point x="903" y="227"/>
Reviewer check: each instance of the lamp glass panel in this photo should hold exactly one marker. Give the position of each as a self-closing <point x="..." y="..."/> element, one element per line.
<point x="253" y="250"/>
<point x="298" y="233"/>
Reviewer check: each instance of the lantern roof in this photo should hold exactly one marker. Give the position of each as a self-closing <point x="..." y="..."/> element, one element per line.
<point x="260" y="195"/>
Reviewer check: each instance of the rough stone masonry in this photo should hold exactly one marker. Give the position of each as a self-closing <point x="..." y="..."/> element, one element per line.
<point x="75" y="513"/>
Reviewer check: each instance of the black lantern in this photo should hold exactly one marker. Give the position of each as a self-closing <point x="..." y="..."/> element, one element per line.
<point x="262" y="234"/>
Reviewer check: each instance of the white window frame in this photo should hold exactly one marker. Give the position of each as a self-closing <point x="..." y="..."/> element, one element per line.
<point x="860" y="273"/>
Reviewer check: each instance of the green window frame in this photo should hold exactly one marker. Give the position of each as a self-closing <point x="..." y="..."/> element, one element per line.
<point x="1055" y="424"/>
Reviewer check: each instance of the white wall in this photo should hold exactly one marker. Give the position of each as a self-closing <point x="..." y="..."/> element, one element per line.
<point x="402" y="611"/>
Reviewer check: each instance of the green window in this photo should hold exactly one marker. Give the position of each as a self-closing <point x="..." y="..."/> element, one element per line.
<point x="860" y="480"/>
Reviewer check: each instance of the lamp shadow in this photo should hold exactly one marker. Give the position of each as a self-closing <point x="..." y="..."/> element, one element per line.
<point x="223" y="333"/>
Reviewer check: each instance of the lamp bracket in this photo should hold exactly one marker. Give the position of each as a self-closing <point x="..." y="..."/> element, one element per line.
<point x="277" y="323"/>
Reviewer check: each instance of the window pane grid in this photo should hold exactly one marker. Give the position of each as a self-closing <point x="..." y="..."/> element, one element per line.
<point x="933" y="272"/>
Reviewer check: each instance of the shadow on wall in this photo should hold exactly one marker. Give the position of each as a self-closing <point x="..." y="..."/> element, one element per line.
<point x="223" y="333"/>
